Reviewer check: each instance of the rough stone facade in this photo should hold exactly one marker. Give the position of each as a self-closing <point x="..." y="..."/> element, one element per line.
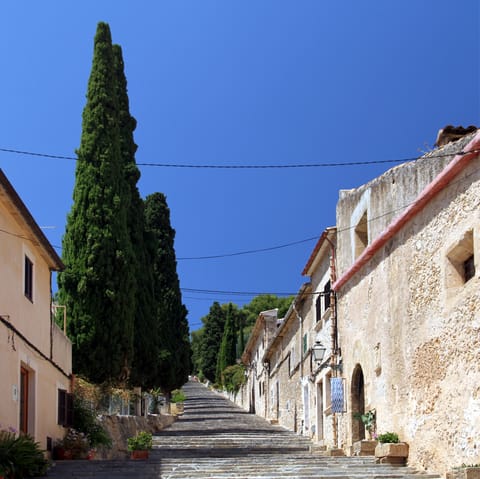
<point x="402" y="337"/>
<point x="409" y="319"/>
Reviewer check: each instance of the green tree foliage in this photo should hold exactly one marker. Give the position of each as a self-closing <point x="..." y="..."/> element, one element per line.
<point x="264" y="302"/>
<point x="98" y="284"/>
<point x="233" y="377"/>
<point x="214" y="323"/>
<point x="227" y="354"/>
<point x="173" y="355"/>
<point x="208" y="341"/>
<point x="144" y="370"/>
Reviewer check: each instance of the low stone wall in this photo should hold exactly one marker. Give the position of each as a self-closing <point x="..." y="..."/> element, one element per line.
<point x="122" y="427"/>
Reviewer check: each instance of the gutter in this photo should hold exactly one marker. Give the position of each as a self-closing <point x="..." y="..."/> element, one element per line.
<point x="458" y="163"/>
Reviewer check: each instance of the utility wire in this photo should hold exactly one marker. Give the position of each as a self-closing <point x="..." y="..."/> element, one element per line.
<point x="250" y="293"/>
<point x="231" y="167"/>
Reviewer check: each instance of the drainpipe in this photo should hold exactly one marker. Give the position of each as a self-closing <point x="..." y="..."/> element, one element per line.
<point x="334" y="331"/>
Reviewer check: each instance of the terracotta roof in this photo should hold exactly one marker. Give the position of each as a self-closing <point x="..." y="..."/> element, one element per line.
<point x="316" y="250"/>
<point x="452" y="133"/>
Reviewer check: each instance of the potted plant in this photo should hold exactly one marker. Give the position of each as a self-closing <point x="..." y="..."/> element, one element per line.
<point x="177" y="398"/>
<point x="465" y="471"/>
<point x="366" y="447"/>
<point x="390" y="450"/>
<point x="140" y="444"/>
<point x="75" y="445"/>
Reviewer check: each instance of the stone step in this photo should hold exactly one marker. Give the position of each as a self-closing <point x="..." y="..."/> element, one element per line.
<point x="214" y="439"/>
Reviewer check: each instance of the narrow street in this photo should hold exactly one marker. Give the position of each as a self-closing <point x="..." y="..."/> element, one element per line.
<point x="215" y="439"/>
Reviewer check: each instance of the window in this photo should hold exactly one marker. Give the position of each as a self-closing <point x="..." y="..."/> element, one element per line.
<point x="361" y="235"/>
<point x="318" y="308"/>
<point x="461" y="261"/>
<point x="65" y="408"/>
<point x="305" y="343"/>
<point x="28" y="289"/>
<point x="323" y="301"/>
<point x="326" y="295"/>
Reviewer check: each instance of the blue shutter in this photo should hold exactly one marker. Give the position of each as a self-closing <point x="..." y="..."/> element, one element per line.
<point x="338" y="400"/>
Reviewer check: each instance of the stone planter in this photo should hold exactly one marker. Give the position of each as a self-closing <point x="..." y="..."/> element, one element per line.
<point x="464" y="473"/>
<point x="176" y="408"/>
<point x="364" y="447"/>
<point x="390" y="453"/>
<point x="139" y="454"/>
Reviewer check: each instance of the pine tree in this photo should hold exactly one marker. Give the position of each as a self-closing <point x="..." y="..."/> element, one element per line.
<point x="228" y="346"/>
<point x="98" y="284"/>
<point x="174" y="353"/>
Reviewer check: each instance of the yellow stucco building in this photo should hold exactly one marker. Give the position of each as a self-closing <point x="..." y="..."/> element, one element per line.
<point x="35" y="354"/>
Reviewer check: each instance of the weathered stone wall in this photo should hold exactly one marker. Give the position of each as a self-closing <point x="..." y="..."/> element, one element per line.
<point x="120" y="428"/>
<point x="414" y="335"/>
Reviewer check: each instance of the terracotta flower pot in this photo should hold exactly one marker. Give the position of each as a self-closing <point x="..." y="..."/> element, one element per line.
<point x="139" y="454"/>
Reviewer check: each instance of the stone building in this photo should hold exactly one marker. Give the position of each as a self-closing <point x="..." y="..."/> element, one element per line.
<point x="292" y="388"/>
<point x="400" y="332"/>
<point x="408" y="304"/>
<point x="35" y="354"/>
<point x="252" y="396"/>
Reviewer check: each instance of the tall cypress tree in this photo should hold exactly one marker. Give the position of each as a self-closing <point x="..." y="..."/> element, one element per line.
<point x="144" y="370"/>
<point x="174" y="354"/>
<point x="214" y="324"/>
<point x="98" y="284"/>
<point x="228" y="346"/>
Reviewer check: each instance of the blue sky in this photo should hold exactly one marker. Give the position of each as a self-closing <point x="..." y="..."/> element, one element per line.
<point x="268" y="82"/>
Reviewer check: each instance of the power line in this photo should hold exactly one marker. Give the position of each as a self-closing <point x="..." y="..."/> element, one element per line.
<point x="260" y="250"/>
<point x="250" y="293"/>
<point x="244" y="167"/>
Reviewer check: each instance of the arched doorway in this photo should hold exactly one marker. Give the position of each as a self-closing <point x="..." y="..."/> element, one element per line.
<point x="358" y="403"/>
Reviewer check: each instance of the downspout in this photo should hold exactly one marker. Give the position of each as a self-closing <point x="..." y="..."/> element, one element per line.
<point x="334" y="332"/>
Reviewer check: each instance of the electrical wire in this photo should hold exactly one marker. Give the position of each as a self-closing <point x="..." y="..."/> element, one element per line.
<point x="237" y="167"/>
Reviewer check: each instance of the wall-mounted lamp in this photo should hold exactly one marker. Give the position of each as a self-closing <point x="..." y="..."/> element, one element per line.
<point x="318" y="354"/>
<point x="318" y="351"/>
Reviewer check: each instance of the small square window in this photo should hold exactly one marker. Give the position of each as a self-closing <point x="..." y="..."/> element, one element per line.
<point x="461" y="262"/>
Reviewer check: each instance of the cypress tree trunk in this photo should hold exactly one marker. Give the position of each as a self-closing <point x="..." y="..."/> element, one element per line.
<point x="98" y="284"/>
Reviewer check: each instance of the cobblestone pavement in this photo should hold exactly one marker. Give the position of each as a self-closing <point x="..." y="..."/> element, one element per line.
<point x="214" y="439"/>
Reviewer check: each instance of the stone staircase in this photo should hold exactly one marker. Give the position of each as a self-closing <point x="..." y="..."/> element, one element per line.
<point x="214" y="439"/>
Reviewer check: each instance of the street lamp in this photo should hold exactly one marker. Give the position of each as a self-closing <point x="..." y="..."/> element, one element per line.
<point x="318" y="351"/>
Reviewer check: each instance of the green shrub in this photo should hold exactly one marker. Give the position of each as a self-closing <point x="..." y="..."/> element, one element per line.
<point x="21" y="456"/>
<point x="142" y="441"/>
<point x="233" y="377"/>
<point x="391" y="437"/>
<point x="177" y="396"/>
<point x="85" y="421"/>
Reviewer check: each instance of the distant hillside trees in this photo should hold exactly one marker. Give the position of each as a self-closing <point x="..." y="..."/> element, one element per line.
<point x="219" y="343"/>
<point x="110" y="284"/>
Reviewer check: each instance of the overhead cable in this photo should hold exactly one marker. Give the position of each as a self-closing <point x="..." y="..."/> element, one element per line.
<point x="245" y="167"/>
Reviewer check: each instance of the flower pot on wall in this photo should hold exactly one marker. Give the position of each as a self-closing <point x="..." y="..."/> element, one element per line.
<point x="139" y="454"/>
<point x="176" y="408"/>
<point x="464" y="473"/>
<point x="392" y="453"/>
<point x="364" y="447"/>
